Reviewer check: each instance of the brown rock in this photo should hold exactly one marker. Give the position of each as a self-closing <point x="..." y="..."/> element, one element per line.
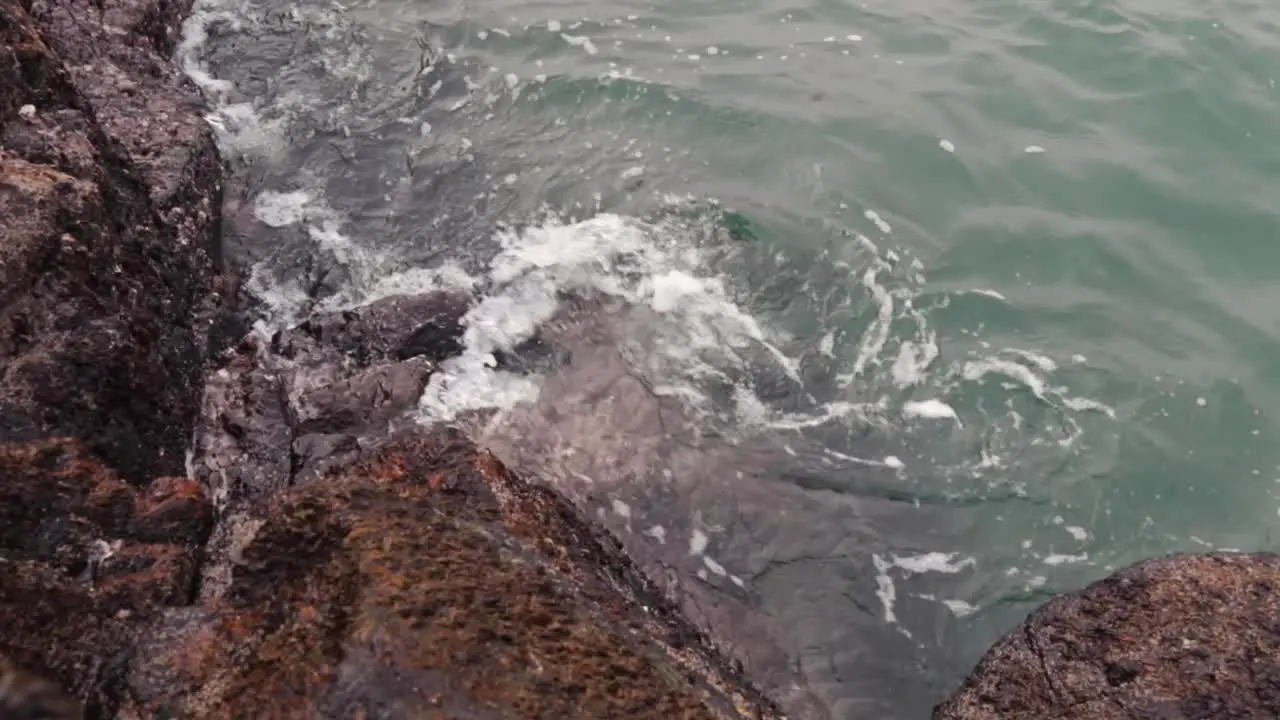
<point x="82" y="566"/>
<point x="109" y="195"/>
<point x="428" y="581"/>
<point x="109" y="199"/>
<point x="173" y="510"/>
<point x="1186" y="636"/>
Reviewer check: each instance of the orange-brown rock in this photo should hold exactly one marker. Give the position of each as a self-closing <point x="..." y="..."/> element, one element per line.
<point x="1180" y="637"/>
<point x="427" y="581"/>
<point x="86" y="562"/>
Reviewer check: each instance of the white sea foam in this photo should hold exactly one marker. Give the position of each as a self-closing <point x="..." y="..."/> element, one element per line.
<point x="929" y="409"/>
<point x="611" y="255"/>
<point x="880" y="222"/>
<point x="1041" y="362"/>
<point x="874" y="339"/>
<point x="990" y="293"/>
<point x="581" y="41"/>
<point x="913" y="361"/>
<point x="960" y="608"/>
<point x="1077" y="532"/>
<point x="697" y="542"/>
<point x="1032" y="375"/>
<point x="1021" y="374"/>
<point x="279" y="209"/>
<point x="1060" y="559"/>
<point x="714" y="566"/>
<point x="933" y="562"/>
<point x="886" y="591"/>
<point x="1083" y="404"/>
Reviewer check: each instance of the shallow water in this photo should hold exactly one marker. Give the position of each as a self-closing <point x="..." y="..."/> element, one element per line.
<point x="980" y="290"/>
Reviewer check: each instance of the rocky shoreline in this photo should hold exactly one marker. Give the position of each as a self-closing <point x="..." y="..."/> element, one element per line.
<point x="316" y="555"/>
<point x="311" y="557"/>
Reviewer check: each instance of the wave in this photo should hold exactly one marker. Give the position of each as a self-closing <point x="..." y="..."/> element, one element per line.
<point x="731" y="403"/>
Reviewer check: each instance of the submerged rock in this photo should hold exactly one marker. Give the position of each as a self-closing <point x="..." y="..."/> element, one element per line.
<point x="1186" y="636"/>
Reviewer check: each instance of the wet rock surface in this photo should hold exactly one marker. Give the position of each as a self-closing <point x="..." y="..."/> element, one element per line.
<point x="88" y="561"/>
<point x="425" y="580"/>
<point x="110" y="189"/>
<point x="1181" y="637"/>
<point x="110" y="186"/>
<point x="286" y="408"/>
<point x="441" y="584"/>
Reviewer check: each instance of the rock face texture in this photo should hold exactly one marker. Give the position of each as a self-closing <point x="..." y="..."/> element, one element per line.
<point x="427" y="581"/>
<point x="88" y="560"/>
<point x="110" y="186"/>
<point x="110" y="191"/>
<point x="1180" y="637"/>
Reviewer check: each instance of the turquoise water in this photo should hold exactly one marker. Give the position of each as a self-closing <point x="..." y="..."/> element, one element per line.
<point x="1067" y="347"/>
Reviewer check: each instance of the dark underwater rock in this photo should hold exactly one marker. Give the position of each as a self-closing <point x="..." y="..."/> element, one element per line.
<point x="1174" y="638"/>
